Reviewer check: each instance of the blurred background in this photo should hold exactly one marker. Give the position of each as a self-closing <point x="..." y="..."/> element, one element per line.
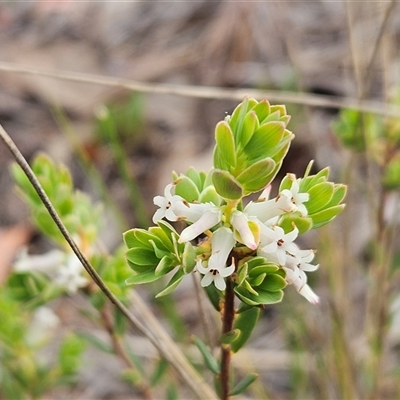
<point x="344" y="51"/>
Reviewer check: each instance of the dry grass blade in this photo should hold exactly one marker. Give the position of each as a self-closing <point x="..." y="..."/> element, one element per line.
<point x="208" y="92"/>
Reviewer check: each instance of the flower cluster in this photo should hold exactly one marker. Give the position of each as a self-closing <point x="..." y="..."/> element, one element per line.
<point x="248" y="244"/>
<point x="255" y="227"/>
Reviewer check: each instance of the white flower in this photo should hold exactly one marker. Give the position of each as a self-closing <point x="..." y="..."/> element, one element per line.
<point x="222" y="243"/>
<point x="69" y="276"/>
<point x="208" y="218"/>
<point x="166" y="205"/>
<point x="295" y="267"/>
<point x="265" y="209"/>
<point x="240" y="222"/>
<point x="47" y="262"/>
<point x="295" y="197"/>
<point x="276" y="244"/>
<point x="64" y="268"/>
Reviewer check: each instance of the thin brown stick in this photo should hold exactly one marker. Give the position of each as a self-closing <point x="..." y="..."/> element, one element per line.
<point x="175" y="358"/>
<point x="209" y="92"/>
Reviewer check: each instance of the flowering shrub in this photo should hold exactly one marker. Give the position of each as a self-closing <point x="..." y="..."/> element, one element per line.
<point x="233" y="243"/>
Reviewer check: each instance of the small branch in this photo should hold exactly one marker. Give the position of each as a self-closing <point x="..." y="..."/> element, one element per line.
<point x="209" y="92"/>
<point x="227" y="326"/>
<point x="176" y="359"/>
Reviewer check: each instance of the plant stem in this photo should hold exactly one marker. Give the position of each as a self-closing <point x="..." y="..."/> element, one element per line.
<point x="227" y="326"/>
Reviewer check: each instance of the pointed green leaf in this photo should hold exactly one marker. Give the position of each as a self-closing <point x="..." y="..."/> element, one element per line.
<point x="250" y="124"/>
<point x="245" y="322"/>
<point x="173" y="283"/>
<point x="320" y="195"/>
<point x="226" y="185"/>
<point x="323" y="217"/>
<point x="262" y="110"/>
<point x="140" y="256"/>
<point x="255" y="177"/>
<point x="226" y="143"/>
<point x="209" y="359"/>
<point x="165" y="265"/>
<point x="236" y="121"/>
<point x="242" y="274"/>
<point x="145" y="277"/>
<point x="214" y="295"/>
<point x="257" y="280"/>
<point x="266" y="137"/>
<point x="339" y="194"/>
<point x="188" y="258"/>
<point x="243" y="384"/>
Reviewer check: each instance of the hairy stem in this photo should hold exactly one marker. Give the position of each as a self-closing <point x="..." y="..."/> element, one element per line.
<point x="227" y="326"/>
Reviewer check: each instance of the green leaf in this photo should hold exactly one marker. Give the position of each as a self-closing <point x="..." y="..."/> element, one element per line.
<point x="243" y="384"/>
<point x="256" y="281"/>
<point x="70" y="352"/>
<point x="210" y="195"/>
<point x="236" y="121"/>
<point x="166" y="264"/>
<point x="226" y="143"/>
<point x="272" y="283"/>
<point x="303" y="224"/>
<point x="242" y="274"/>
<point x="229" y="337"/>
<point x="159" y="372"/>
<point x="188" y="258"/>
<point x="320" y="195"/>
<point x="266" y="137"/>
<point x="226" y="185"/>
<point x="263" y="297"/>
<point x="325" y="216"/>
<point x="196" y="176"/>
<point x="139" y="256"/>
<point x="209" y="360"/>
<point x="187" y="189"/>
<point x="339" y="194"/>
<point x="256" y="177"/>
<point x="262" y="110"/>
<point x="173" y="283"/>
<point x="144" y="277"/>
<point x="250" y="124"/>
<point x="263" y="269"/>
<point x="245" y="322"/>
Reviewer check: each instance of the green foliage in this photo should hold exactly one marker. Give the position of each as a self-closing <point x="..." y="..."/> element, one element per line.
<point x="250" y="147"/>
<point x="75" y="209"/>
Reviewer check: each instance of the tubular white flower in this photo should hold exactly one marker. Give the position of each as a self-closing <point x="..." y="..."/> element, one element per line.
<point x="276" y="243"/>
<point x="48" y="262"/>
<point x="222" y="243"/>
<point x="241" y="223"/>
<point x="308" y="293"/>
<point x="296" y="198"/>
<point x="267" y="209"/>
<point x="208" y="219"/>
<point x="295" y="275"/>
<point x="69" y="276"/>
<point x="166" y="203"/>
